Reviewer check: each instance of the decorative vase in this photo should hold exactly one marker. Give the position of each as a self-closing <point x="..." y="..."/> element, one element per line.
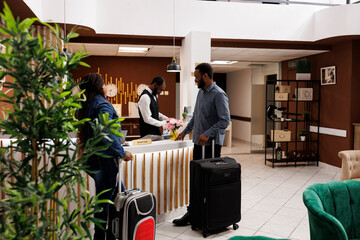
<point x="302" y="138"/>
<point x="173" y="134"/>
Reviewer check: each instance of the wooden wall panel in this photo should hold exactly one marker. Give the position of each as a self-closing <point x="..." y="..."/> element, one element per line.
<point x="139" y="70"/>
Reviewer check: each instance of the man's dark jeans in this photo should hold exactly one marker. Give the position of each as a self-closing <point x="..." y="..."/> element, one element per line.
<point x="198" y="151"/>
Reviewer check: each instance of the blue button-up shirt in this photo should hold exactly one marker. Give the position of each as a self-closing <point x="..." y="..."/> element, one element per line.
<point x="211" y="115"/>
<point x="100" y="104"/>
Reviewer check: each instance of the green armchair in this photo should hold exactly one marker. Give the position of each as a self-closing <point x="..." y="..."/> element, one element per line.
<point x="334" y="210"/>
<point x="255" y="238"/>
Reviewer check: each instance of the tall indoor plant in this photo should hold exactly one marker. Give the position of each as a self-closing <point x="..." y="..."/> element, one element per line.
<point x="40" y="122"/>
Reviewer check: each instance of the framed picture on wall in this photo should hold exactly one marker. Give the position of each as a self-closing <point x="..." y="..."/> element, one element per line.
<point x="328" y="75"/>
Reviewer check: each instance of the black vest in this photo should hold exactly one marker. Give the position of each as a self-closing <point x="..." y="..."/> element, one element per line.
<point x="145" y="128"/>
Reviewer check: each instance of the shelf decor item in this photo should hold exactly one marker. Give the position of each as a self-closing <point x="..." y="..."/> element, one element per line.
<point x="304" y="94"/>
<point x="283" y="88"/>
<point x="280" y="135"/>
<point x="306" y="115"/>
<point x="278" y="153"/>
<point x="281" y="96"/>
<point x="303" y="69"/>
<point x="302" y="133"/>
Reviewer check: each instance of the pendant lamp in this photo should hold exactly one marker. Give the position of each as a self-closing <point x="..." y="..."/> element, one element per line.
<point x="65" y="50"/>
<point x="173" y="66"/>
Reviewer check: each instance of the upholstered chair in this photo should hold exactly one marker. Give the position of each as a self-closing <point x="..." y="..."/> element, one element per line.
<point x="350" y="168"/>
<point x="334" y="210"/>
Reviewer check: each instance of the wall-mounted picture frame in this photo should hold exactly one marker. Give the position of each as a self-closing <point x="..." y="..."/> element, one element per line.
<point x="328" y="75"/>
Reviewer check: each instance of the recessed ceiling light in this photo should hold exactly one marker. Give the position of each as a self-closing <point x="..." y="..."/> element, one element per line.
<point x="133" y="49"/>
<point x="223" y="62"/>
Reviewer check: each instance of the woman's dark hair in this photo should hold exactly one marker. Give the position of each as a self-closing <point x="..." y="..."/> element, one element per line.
<point x="92" y="83"/>
<point x="205" y="68"/>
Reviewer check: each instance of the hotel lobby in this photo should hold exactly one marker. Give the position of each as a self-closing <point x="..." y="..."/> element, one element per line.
<point x="255" y="48"/>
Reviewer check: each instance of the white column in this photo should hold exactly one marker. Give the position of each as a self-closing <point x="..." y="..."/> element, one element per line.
<point x="196" y="48"/>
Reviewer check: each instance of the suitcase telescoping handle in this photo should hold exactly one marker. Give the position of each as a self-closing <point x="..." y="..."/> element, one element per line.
<point x="212" y="149"/>
<point x="119" y="174"/>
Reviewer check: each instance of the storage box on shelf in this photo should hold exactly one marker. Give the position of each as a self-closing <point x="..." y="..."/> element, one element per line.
<point x="298" y="113"/>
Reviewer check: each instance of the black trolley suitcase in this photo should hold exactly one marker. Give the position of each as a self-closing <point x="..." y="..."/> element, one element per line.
<point x="135" y="215"/>
<point x="215" y="193"/>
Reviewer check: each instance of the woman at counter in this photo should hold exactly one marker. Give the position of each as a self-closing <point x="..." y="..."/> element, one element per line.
<point x="102" y="170"/>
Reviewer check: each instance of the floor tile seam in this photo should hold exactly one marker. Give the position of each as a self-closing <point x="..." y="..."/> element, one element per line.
<point x="296" y="193"/>
<point x="297" y="226"/>
<point x="176" y="235"/>
<point x="277" y="210"/>
<point x="266" y="232"/>
<point x="308" y="180"/>
<point x="260" y="183"/>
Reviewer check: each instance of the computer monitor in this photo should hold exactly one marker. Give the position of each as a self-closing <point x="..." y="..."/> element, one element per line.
<point x="124" y="132"/>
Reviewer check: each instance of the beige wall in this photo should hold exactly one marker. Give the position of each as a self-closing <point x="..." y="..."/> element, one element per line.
<point x="246" y="92"/>
<point x="238" y="88"/>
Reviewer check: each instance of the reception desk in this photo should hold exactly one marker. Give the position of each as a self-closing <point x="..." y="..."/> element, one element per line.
<point x="161" y="168"/>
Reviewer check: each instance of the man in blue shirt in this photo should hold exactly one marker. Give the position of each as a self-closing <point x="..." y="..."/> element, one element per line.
<point x="211" y="118"/>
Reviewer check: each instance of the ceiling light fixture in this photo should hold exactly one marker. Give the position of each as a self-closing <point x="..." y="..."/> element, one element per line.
<point x="65" y="50"/>
<point x="223" y="62"/>
<point x="173" y="66"/>
<point x="134" y="49"/>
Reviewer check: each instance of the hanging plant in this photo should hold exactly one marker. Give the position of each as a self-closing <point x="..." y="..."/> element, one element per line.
<point x="39" y="121"/>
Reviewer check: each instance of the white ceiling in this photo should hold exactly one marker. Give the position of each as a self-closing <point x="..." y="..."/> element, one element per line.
<point x="244" y="56"/>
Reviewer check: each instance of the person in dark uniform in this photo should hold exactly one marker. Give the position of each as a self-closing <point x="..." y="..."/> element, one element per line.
<point x="150" y="118"/>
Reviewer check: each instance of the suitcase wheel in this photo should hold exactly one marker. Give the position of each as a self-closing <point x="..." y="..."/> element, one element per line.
<point x="205" y="234"/>
<point x="235" y="226"/>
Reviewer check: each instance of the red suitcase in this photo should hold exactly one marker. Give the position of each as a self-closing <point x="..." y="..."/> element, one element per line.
<point x="135" y="215"/>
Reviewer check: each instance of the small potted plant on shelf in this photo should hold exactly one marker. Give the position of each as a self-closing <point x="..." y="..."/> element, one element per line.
<point x="306" y="115"/>
<point x="302" y="133"/>
<point x="184" y="115"/>
<point x="303" y="69"/>
<point x="277" y="89"/>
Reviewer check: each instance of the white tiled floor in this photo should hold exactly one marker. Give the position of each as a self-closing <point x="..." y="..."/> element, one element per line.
<point x="271" y="202"/>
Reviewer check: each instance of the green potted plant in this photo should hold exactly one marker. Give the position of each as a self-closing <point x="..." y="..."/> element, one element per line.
<point x="306" y="115"/>
<point x="303" y="69"/>
<point x="184" y="115"/>
<point x="40" y="121"/>
<point x="302" y="133"/>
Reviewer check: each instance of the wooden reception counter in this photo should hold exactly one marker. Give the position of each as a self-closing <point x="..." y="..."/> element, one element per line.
<point x="161" y="168"/>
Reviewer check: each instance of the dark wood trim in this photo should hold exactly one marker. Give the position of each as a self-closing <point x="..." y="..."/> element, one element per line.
<point x="240" y="118"/>
<point x="240" y="43"/>
<point x="136" y="40"/>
